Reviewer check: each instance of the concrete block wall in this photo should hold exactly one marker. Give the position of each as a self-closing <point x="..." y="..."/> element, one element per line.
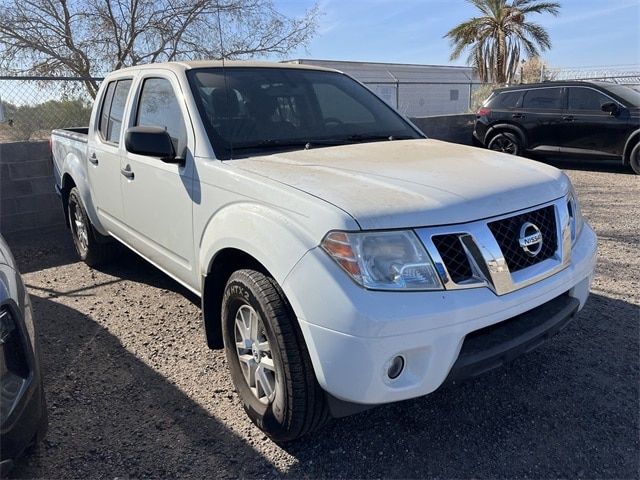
<point x="27" y="195"/>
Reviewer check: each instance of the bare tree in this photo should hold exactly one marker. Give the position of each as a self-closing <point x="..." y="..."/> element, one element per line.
<point x="92" y="37"/>
<point x="535" y="70"/>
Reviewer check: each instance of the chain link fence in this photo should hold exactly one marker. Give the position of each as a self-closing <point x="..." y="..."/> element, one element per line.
<point x="30" y="107"/>
<point x="33" y="106"/>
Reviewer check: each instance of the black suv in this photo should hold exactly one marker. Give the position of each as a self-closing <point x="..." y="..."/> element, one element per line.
<point x="594" y="119"/>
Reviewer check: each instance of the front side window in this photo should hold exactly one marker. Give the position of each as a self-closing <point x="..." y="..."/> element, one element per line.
<point x="159" y="107"/>
<point x="263" y="109"/>
<point x="586" y="99"/>
<point x="543" y="99"/>
<point x="116" y="113"/>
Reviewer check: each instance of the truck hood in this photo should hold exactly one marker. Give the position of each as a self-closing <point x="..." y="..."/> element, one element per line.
<point x="413" y="183"/>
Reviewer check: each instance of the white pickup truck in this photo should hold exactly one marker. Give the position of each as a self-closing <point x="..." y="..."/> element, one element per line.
<point x="343" y="259"/>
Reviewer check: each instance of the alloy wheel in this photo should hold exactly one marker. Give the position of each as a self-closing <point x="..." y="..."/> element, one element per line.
<point x="504" y="144"/>
<point x="79" y="227"/>
<point x="254" y="354"/>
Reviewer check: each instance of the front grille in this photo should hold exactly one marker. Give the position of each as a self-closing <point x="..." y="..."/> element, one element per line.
<point x="453" y="256"/>
<point x="507" y="233"/>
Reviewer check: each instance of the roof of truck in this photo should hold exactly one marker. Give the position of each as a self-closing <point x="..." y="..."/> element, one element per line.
<point x="182" y="66"/>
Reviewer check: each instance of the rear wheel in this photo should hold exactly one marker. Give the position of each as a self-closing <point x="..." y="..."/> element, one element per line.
<point x="634" y="159"/>
<point x="268" y="359"/>
<point x="94" y="249"/>
<point x="505" y="142"/>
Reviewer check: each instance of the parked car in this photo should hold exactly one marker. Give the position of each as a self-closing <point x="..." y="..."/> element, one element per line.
<point x="583" y="119"/>
<point x="23" y="411"/>
<point x="343" y="259"/>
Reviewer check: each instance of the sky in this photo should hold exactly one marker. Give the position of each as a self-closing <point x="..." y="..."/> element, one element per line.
<point x="585" y="33"/>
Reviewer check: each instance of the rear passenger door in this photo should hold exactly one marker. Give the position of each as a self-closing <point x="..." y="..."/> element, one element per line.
<point x="105" y="151"/>
<point x="542" y="111"/>
<point x="587" y="130"/>
<point x="158" y="197"/>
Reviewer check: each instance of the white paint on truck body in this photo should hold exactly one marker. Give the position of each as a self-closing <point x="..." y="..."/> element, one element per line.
<point x="278" y="208"/>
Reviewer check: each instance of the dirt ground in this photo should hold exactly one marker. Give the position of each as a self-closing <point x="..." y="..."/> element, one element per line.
<point x="133" y="390"/>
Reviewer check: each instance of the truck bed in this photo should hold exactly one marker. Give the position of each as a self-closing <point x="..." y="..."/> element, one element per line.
<point x="75" y="133"/>
<point x="66" y="142"/>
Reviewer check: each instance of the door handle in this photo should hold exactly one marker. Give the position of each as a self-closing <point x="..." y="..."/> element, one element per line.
<point x="127" y="172"/>
<point x="93" y="159"/>
<point x="517" y="115"/>
<point x="568" y="118"/>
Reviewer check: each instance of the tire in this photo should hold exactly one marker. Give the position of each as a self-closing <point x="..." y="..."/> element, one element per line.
<point x="94" y="249"/>
<point x="634" y="159"/>
<point x="44" y="420"/>
<point x="505" y="142"/>
<point x="253" y="302"/>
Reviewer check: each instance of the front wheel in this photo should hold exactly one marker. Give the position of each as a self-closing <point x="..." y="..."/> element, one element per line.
<point x="505" y="142"/>
<point x="268" y="359"/>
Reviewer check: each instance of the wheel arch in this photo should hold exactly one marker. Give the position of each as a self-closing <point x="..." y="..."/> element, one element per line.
<point x="501" y="127"/>
<point x="67" y="184"/>
<point x="634" y="138"/>
<point x="74" y="175"/>
<point x="245" y="236"/>
<point x="226" y="261"/>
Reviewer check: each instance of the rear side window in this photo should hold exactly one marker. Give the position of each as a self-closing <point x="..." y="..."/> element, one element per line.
<point x="586" y="99"/>
<point x="159" y="107"/>
<point x="104" y="109"/>
<point x="112" y="110"/>
<point x="506" y="100"/>
<point x="117" y="110"/>
<point x="543" y="98"/>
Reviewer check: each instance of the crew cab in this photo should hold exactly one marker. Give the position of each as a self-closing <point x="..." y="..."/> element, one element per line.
<point x="580" y="119"/>
<point x="343" y="259"/>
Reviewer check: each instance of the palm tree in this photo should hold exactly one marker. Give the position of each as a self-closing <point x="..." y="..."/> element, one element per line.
<point x="496" y="39"/>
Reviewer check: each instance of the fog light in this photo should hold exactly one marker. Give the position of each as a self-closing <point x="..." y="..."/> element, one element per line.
<point x="396" y="367"/>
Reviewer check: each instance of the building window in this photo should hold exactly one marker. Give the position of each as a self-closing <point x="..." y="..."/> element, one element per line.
<point x="454" y="95"/>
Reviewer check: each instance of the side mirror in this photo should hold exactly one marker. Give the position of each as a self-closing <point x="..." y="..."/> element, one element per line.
<point x="610" y="107"/>
<point x="152" y="142"/>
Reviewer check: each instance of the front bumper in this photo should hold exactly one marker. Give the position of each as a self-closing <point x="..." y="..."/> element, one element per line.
<point x="352" y="334"/>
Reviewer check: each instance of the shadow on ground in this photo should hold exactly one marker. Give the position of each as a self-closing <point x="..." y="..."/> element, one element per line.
<point x="568" y="409"/>
<point x="587" y="165"/>
<point x="112" y="415"/>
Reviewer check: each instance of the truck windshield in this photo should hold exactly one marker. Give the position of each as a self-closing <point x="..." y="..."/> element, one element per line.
<point x="256" y="110"/>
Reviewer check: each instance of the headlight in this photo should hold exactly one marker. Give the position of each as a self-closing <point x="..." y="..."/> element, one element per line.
<point x="575" y="216"/>
<point x="394" y="260"/>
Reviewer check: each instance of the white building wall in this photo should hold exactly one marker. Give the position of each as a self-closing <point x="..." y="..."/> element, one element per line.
<point x="415" y="90"/>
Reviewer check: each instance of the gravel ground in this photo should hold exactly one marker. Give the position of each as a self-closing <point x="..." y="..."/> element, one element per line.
<point x="134" y="392"/>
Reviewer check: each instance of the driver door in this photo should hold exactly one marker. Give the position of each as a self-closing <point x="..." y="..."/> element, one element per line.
<point x="158" y="196"/>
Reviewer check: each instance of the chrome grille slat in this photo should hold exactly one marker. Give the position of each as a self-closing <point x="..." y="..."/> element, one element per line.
<point x="507" y="232"/>
<point x="476" y="255"/>
<point x="454" y="256"/>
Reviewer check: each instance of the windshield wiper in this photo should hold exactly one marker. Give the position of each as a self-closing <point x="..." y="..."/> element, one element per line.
<point x="359" y="137"/>
<point x="306" y="144"/>
<point x="272" y="144"/>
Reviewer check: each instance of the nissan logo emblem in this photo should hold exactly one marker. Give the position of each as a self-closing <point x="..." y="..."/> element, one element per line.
<point x="530" y="239"/>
